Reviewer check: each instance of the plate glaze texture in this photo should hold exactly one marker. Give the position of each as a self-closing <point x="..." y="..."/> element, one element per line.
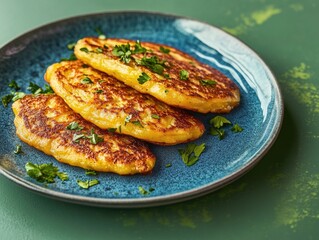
<point x="260" y="112"/>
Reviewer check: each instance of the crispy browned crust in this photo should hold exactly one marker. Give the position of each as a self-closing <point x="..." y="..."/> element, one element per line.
<point x="42" y="121"/>
<point x="189" y="94"/>
<point x="108" y="103"/>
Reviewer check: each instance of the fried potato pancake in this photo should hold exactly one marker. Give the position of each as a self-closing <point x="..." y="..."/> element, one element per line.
<point x="164" y="72"/>
<point x="48" y="124"/>
<point x="110" y="104"/>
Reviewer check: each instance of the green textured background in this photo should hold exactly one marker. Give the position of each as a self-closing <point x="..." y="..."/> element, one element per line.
<point x="278" y="199"/>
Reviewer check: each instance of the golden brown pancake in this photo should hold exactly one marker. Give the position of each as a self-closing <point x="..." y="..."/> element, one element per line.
<point x="110" y="104"/>
<point x="164" y="72"/>
<point x="43" y="122"/>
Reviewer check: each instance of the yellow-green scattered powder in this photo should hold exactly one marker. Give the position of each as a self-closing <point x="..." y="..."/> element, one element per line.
<point x="231" y="189"/>
<point x="299" y="72"/>
<point x="259" y="17"/>
<point x="306" y="92"/>
<point x="299" y="197"/>
<point x="253" y="19"/>
<point x="296" y="7"/>
<point x="188" y="215"/>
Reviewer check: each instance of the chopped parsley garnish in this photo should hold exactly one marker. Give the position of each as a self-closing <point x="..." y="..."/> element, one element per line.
<point x="111" y="130"/>
<point x="63" y="176"/>
<point x="207" y="82"/>
<point x="168" y="165"/>
<point x="86" y="80"/>
<point x="71" y="46"/>
<point x="153" y="63"/>
<point x="128" y="119"/>
<point x="123" y="52"/>
<point x="166" y="75"/>
<point x="94" y="138"/>
<point x="236" y="128"/>
<point x="74" y="126"/>
<point x="99" y="50"/>
<point x="35" y="89"/>
<point x="219" y="121"/>
<point x="138" y="48"/>
<point x="18" y="95"/>
<point x="164" y="50"/>
<point x="6" y="99"/>
<point x="44" y="172"/>
<point x="217" y="132"/>
<point x="191" y="153"/>
<point x="137" y="123"/>
<point x="84" y="49"/>
<point x="77" y="137"/>
<point x="183" y="74"/>
<point x="143" y="191"/>
<point x="88" y="183"/>
<point x="99" y="91"/>
<point x="72" y="57"/>
<point x="18" y="149"/>
<point x="13" y="84"/>
<point x="100" y="33"/>
<point x="90" y="172"/>
<point x="143" y="78"/>
<point x="47" y="89"/>
<point x="155" y="116"/>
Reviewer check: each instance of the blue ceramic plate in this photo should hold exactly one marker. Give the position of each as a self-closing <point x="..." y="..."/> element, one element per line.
<point x="260" y="113"/>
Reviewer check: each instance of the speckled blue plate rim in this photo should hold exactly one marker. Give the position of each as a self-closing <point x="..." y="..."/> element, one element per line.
<point x="157" y="200"/>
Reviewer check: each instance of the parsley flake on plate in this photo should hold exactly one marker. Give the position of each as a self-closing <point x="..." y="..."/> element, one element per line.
<point x="236" y="128"/>
<point x="183" y="74"/>
<point x="94" y="138"/>
<point x="143" y="191"/>
<point x="18" y="95"/>
<point x="86" y="80"/>
<point x="45" y="173"/>
<point x="143" y="78"/>
<point x="208" y="82"/>
<point x="137" y="123"/>
<point x="74" y="126"/>
<point x="72" y="57"/>
<point x="84" y="49"/>
<point x="217" y="132"/>
<point x="88" y="183"/>
<point x="100" y="33"/>
<point x="18" y="149"/>
<point x="138" y="48"/>
<point x="36" y="89"/>
<point x="6" y="99"/>
<point x="77" y="137"/>
<point x="123" y="52"/>
<point x="154" y="64"/>
<point x="90" y="172"/>
<point x="71" y="46"/>
<point x="219" y="121"/>
<point x="155" y="116"/>
<point x="190" y="155"/>
<point x="111" y="130"/>
<point x="13" y="84"/>
<point x="164" y="50"/>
